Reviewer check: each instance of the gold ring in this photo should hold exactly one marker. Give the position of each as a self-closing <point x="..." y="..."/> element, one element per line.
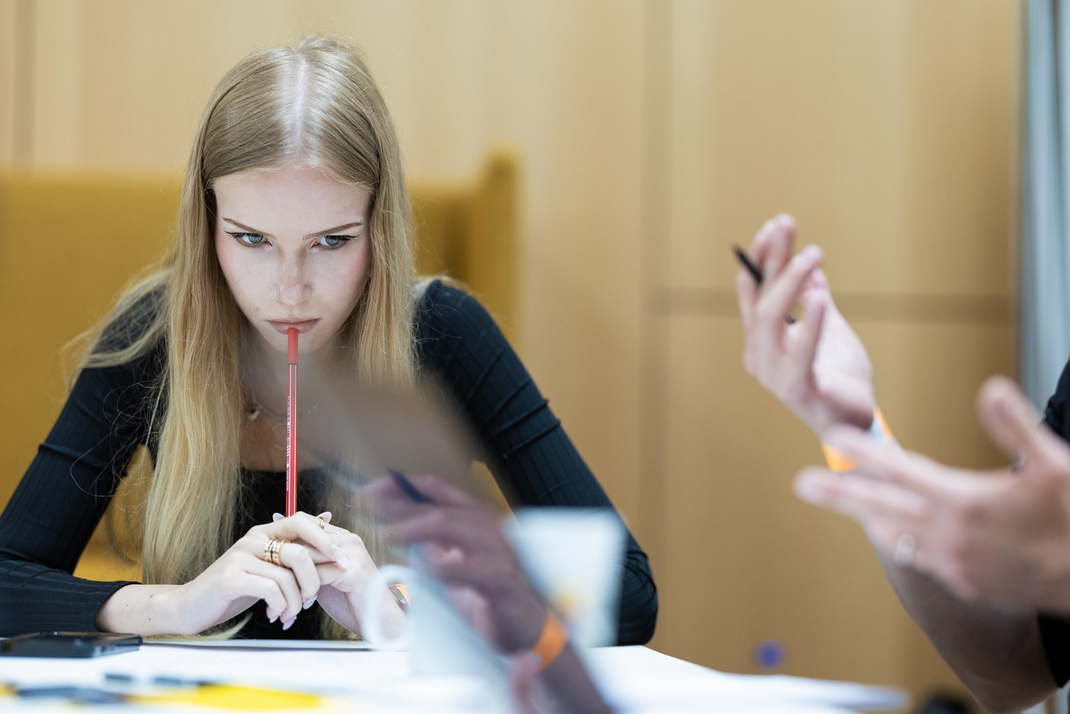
<point x="323" y="523"/>
<point x="273" y="551"/>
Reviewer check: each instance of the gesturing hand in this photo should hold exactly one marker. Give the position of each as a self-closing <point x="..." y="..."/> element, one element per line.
<point x="817" y="366"/>
<point x="1001" y="536"/>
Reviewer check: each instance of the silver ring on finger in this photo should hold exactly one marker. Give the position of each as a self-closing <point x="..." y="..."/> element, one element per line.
<point x="905" y="551"/>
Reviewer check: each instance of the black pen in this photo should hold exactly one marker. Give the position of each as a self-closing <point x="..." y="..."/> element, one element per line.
<point x="410" y="490"/>
<point x="753" y="270"/>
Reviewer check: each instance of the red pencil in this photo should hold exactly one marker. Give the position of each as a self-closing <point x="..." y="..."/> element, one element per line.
<point x="291" y="425"/>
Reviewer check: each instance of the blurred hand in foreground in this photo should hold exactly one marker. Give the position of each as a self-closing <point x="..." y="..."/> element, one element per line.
<point x="1001" y="537"/>
<point x="462" y="543"/>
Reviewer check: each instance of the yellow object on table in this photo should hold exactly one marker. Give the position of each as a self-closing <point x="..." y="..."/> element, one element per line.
<point x="229" y="696"/>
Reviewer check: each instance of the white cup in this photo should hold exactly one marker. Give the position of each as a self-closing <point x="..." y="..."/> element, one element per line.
<point x="574" y="558"/>
<point x="438" y="638"/>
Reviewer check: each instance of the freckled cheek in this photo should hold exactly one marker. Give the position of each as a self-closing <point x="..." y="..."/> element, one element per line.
<point x="345" y="279"/>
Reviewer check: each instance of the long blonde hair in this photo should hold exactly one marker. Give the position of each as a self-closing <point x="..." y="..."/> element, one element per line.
<point x="315" y="104"/>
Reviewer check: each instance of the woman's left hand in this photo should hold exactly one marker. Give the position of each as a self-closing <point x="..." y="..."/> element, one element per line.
<point x="1000" y="537"/>
<point x="343" y="583"/>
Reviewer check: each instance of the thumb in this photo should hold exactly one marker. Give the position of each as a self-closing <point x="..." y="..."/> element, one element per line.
<point x="1009" y="419"/>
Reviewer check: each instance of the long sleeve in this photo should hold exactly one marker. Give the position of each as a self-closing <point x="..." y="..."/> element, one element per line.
<point x="60" y="500"/>
<point x="532" y="458"/>
<point x="1055" y="631"/>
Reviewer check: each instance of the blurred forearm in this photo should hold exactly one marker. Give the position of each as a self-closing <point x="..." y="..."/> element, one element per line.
<point x="998" y="654"/>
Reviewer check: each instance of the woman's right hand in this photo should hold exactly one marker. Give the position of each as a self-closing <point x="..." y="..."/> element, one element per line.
<point x="241" y="577"/>
<point x="816" y="366"/>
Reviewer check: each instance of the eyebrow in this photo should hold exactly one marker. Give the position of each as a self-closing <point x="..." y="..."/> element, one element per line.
<point x="317" y="234"/>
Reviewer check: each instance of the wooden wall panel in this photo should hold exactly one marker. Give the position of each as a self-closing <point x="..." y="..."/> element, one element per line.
<point x="885" y="127"/>
<point x="888" y="129"/>
<point x="8" y="95"/>
<point x="745" y="561"/>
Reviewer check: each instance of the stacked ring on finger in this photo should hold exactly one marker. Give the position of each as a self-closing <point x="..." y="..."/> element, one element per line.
<point x="273" y="551"/>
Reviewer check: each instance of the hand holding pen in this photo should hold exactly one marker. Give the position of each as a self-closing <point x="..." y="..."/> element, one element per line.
<point x="462" y="544"/>
<point x="816" y="366"/>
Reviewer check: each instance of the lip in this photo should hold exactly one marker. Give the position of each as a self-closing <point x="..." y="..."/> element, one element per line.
<point x="302" y="326"/>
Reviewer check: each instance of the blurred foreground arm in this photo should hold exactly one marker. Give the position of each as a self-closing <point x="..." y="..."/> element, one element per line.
<point x="964" y="570"/>
<point x="973" y="555"/>
<point x="463" y="545"/>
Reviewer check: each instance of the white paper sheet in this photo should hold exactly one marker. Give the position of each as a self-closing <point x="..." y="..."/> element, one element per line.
<point x="634" y="679"/>
<point x="641" y="679"/>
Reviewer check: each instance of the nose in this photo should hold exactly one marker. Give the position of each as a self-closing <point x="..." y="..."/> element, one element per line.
<point x="292" y="285"/>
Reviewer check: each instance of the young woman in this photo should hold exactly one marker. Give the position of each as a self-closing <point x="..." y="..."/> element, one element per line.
<point x="294" y="213"/>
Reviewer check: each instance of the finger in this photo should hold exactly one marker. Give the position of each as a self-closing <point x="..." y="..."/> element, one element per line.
<point x="888" y="537"/>
<point x="330" y="573"/>
<point x="911" y="471"/>
<point x="323" y="522"/>
<point x="314" y="555"/>
<point x="781" y="242"/>
<point x="746" y="296"/>
<point x="799" y="367"/>
<point x="769" y="325"/>
<point x="389" y="500"/>
<point x="296" y="557"/>
<point x="441" y="492"/>
<point x="776" y="300"/>
<point x="266" y="589"/>
<point x="861" y="498"/>
<point x="1011" y="422"/>
<point x="305" y="527"/>
<point x="435" y="554"/>
<point x="287" y="584"/>
<point x="464" y="528"/>
<point x="477" y="574"/>
<point x="759" y="247"/>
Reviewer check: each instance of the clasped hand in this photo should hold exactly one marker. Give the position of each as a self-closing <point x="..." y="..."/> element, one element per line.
<point x="320" y="561"/>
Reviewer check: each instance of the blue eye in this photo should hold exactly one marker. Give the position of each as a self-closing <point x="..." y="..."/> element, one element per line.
<point x="333" y="241"/>
<point x="247" y="238"/>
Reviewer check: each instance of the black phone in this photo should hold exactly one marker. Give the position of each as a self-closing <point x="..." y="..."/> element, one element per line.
<point x="68" y="644"/>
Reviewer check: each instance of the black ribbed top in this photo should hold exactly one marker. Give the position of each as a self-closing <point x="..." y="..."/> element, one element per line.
<point x="63" y="495"/>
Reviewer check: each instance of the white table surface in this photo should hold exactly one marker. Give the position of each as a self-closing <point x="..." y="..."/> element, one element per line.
<point x="634" y="679"/>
